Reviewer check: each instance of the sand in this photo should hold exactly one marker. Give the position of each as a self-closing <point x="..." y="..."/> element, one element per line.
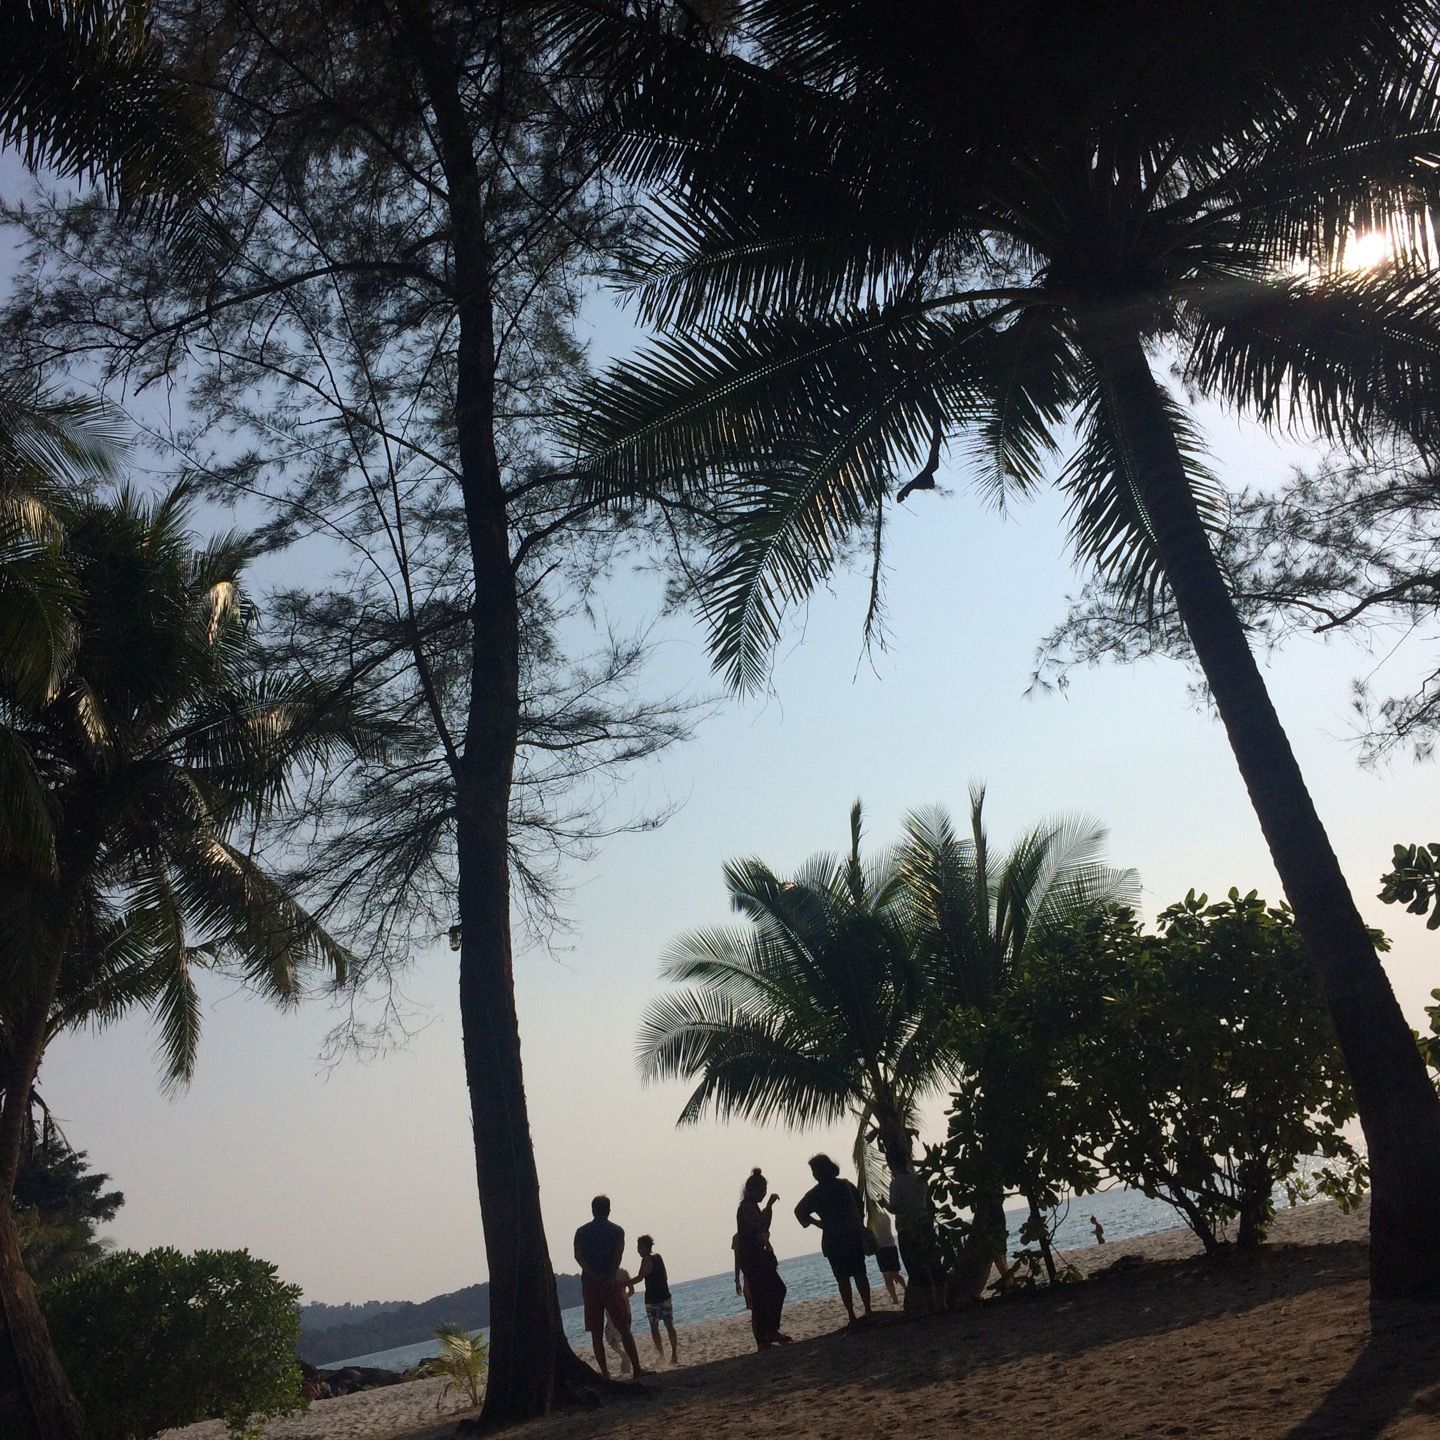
<point x="1279" y="1346"/>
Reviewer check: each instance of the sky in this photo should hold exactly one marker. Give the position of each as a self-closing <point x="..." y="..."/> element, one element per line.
<point x="357" y="1179"/>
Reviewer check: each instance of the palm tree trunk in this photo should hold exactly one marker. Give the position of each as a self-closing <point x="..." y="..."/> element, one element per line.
<point x="1399" y="1109"/>
<point x="530" y="1360"/>
<point x="36" y="1401"/>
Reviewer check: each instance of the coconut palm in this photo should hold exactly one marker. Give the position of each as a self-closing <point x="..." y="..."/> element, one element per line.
<point x="881" y="229"/>
<point x="977" y="919"/>
<point x="813" y="1011"/>
<point x="145" y="766"/>
<point x="837" y="998"/>
<point x="85" y="94"/>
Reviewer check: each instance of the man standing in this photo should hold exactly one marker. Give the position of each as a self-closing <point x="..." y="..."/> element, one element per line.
<point x="919" y="1248"/>
<point x="599" y="1247"/>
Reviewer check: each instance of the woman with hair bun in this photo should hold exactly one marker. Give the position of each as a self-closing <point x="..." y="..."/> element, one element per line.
<point x="757" y="1262"/>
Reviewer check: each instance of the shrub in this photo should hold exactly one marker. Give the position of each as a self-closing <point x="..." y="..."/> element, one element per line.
<point x="1219" y="1068"/>
<point x="163" y="1339"/>
<point x="1196" y="1064"/>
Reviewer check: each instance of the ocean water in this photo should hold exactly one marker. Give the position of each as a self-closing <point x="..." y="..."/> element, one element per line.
<point x="1123" y="1213"/>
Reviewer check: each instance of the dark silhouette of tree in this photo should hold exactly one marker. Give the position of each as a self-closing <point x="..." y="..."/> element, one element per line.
<point x="376" y="367"/>
<point x="847" y="990"/>
<point x="140" y="772"/>
<point x="61" y="1203"/>
<point x="882" y="229"/>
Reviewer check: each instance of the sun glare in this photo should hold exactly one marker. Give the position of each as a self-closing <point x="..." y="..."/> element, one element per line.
<point x="1367" y="251"/>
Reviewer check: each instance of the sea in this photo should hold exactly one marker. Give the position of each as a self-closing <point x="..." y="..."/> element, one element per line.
<point x="1123" y="1213"/>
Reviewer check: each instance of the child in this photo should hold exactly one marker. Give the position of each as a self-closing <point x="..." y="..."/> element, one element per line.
<point x="612" y="1335"/>
<point x="887" y="1255"/>
<point x="658" y="1305"/>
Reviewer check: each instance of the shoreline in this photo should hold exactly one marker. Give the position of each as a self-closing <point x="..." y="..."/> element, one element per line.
<point x="411" y="1409"/>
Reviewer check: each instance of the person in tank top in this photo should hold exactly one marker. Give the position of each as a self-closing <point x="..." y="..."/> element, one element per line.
<point x="658" y="1304"/>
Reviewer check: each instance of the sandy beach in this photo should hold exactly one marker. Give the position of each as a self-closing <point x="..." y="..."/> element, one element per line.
<point x="1282" y="1346"/>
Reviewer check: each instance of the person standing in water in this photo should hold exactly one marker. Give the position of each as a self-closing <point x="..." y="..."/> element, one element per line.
<point x="757" y="1262"/>
<point x="658" y="1304"/>
<point x="835" y="1206"/>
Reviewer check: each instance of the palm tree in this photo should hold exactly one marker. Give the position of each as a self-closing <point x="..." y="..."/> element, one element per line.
<point x="977" y="920"/>
<point x="159" y="747"/>
<point x="837" y="998"/>
<point x="979" y="917"/>
<point x="813" y="1011"/>
<point x="85" y="93"/>
<point x="879" y="228"/>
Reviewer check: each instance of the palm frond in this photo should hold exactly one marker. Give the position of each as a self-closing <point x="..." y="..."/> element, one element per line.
<point x="85" y="91"/>
<point x="1107" y="517"/>
<point x="1333" y="354"/>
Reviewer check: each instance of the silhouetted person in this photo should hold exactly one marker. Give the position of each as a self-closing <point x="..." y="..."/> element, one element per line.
<point x="834" y="1204"/>
<point x="887" y="1256"/>
<point x="757" y="1262"/>
<point x="915" y="1229"/>
<point x="613" y="1342"/>
<point x="599" y="1247"/>
<point x="658" y="1305"/>
<point x="1099" y="1230"/>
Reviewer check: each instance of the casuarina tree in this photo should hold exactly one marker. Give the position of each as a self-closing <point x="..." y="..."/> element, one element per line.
<point x="413" y="226"/>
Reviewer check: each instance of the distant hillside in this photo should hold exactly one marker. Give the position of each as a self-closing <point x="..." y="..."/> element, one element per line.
<point x="405" y="1323"/>
<point x="317" y="1316"/>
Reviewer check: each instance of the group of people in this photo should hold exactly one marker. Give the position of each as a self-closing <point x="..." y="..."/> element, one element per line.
<point x="848" y="1237"/>
<point x="606" y="1287"/>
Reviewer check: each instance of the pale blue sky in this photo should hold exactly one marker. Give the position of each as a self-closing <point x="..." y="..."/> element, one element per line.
<point x="358" y="1181"/>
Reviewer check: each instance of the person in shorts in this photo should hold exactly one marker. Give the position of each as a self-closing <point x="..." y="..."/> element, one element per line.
<point x="836" y="1207"/>
<point x="887" y="1256"/>
<point x="599" y="1247"/>
<point x="659" y="1309"/>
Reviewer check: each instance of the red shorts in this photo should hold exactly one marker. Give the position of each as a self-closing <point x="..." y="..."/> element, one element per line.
<point x="604" y="1298"/>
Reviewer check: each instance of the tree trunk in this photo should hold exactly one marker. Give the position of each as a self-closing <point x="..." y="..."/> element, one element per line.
<point x="1042" y="1238"/>
<point x="36" y="1401"/>
<point x="1399" y="1109"/>
<point x="530" y="1360"/>
<point x="1255" y="1184"/>
<point x="1195" y="1217"/>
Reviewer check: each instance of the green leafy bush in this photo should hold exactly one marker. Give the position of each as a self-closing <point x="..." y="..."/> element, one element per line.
<point x="1218" y="1066"/>
<point x="162" y="1339"/>
<point x="1196" y="1064"/>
